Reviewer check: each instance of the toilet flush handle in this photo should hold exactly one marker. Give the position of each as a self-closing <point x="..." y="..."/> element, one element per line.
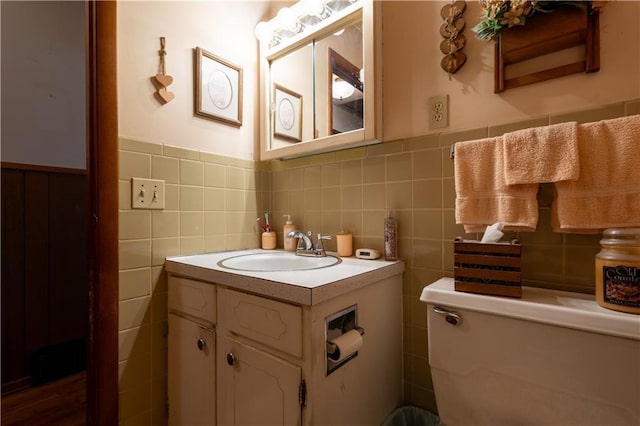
<point x="451" y="317"/>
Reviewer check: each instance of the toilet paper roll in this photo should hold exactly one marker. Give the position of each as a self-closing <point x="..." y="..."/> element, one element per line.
<point x="346" y="344"/>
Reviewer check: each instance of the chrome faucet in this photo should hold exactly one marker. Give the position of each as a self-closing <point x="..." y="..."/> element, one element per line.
<point x="305" y="245"/>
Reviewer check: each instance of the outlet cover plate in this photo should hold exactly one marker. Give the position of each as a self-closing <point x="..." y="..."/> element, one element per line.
<point x="438" y="111"/>
<point x="147" y="193"/>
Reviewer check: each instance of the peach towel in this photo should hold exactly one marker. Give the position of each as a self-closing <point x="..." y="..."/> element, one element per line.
<point x="482" y="195"/>
<point x="541" y="154"/>
<point x="607" y="193"/>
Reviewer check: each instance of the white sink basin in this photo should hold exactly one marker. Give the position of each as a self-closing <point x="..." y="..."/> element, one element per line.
<point x="277" y="261"/>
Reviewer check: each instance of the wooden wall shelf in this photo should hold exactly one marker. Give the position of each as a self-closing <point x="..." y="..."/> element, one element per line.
<point x="544" y="34"/>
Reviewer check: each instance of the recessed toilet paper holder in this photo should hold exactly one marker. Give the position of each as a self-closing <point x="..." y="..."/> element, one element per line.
<point x="333" y="351"/>
<point x="343" y="337"/>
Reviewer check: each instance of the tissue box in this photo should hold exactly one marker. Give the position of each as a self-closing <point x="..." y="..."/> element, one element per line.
<point x="487" y="268"/>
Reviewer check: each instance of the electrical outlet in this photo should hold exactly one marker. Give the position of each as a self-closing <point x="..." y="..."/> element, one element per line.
<point x="438" y="111"/>
<point x="147" y="193"/>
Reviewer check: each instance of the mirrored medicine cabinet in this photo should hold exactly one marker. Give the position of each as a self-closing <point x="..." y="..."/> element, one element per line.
<point x="320" y="82"/>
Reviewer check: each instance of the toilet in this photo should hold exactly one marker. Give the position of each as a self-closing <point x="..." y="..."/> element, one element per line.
<point x="549" y="358"/>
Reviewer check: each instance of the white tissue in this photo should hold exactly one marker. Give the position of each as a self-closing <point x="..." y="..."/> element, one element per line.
<point x="493" y="233"/>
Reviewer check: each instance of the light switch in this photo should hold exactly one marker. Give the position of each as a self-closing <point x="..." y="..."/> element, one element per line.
<point x="147" y="193"/>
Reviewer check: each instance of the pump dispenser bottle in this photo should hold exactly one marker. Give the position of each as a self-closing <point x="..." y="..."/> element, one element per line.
<point x="289" y="243"/>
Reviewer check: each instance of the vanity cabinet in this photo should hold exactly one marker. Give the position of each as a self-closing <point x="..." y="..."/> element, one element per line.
<point x="267" y="362"/>
<point x="192" y="352"/>
<point x="257" y="385"/>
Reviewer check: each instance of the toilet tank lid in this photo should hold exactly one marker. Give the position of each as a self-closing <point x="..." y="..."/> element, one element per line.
<point x="565" y="309"/>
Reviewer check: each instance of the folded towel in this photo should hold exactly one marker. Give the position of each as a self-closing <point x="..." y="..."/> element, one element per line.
<point x="607" y="193"/>
<point x="541" y="154"/>
<point x="483" y="197"/>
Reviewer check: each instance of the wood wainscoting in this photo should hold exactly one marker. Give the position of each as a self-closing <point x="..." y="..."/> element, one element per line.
<point x="45" y="292"/>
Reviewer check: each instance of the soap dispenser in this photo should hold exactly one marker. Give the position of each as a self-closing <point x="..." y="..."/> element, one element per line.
<point x="289" y="243"/>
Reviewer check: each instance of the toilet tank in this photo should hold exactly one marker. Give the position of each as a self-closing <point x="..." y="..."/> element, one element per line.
<point x="549" y="358"/>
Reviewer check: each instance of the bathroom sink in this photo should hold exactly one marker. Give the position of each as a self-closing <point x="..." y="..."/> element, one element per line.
<point x="277" y="261"/>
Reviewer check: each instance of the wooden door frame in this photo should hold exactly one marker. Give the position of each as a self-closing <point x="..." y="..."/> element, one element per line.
<point x="102" y="171"/>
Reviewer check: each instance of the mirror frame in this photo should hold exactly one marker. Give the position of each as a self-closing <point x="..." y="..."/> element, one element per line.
<point x="369" y="12"/>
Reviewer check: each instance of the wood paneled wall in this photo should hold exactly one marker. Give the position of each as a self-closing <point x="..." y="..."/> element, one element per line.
<point x="44" y="265"/>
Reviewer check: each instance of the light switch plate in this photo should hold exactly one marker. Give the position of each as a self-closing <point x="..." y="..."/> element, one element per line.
<point x="147" y="193"/>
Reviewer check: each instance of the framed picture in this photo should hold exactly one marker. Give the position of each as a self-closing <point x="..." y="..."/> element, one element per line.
<point x="288" y="114"/>
<point x="218" y="88"/>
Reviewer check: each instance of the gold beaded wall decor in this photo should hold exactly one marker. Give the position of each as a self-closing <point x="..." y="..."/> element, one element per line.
<point x="451" y="32"/>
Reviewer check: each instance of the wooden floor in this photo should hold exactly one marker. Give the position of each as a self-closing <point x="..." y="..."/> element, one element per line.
<point x="59" y="403"/>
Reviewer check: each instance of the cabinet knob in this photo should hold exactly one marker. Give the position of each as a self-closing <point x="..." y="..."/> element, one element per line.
<point x="201" y="344"/>
<point x="231" y="359"/>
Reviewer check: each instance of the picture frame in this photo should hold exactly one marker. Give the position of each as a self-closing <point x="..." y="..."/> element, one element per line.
<point x="288" y="114"/>
<point x="218" y="88"/>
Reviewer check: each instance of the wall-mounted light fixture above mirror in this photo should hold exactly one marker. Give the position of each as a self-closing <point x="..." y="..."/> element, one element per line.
<point x="319" y="50"/>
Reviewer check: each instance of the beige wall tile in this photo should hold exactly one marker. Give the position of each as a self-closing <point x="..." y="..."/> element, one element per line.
<point x="384" y="149"/>
<point x="214" y="199"/>
<point x="351" y="222"/>
<point x="191" y="245"/>
<point x="373" y="223"/>
<point x="213" y="243"/>
<point x="134" y="283"/>
<point x="235" y="178"/>
<point x="191" y="172"/>
<point x="399" y="167"/>
<point x="330" y="174"/>
<point x="127" y="144"/>
<point x="422" y="142"/>
<point x="330" y="199"/>
<point x="215" y="223"/>
<point x="427" y="164"/>
<point x="373" y="196"/>
<point x="399" y="195"/>
<point x="427" y="253"/>
<point x="133" y="313"/>
<point x="165" y="168"/>
<point x="312" y="198"/>
<point x="161" y="248"/>
<point x="542" y="263"/>
<point x="235" y="200"/>
<point x="124" y="194"/>
<point x="427" y="194"/>
<point x="427" y="224"/>
<point x="351" y="172"/>
<point x="135" y="254"/>
<point x="632" y="108"/>
<point x="191" y="198"/>
<point x="134" y="224"/>
<point x="178" y="152"/>
<point x="133" y="340"/>
<point x="312" y="177"/>
<point x="191" y="224"/>
<point x="215" y="175"/>
<point x="374" y="170"/>
<point x="172" y="197"/>
<point x="351" y="154"/>
<point x="134" y="164"/>
<point x="165" y="224"/>
<point x="447" y="139"/>
<point x="351" y="197"/>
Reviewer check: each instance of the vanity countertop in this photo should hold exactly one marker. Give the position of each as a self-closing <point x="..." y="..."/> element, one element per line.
<point x="306" y="287"/>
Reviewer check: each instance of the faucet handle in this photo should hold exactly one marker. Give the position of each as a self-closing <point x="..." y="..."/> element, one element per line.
<point x="319" y="245"/>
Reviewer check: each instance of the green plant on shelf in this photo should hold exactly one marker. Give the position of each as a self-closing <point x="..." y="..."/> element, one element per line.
<point x="499" y="14"/>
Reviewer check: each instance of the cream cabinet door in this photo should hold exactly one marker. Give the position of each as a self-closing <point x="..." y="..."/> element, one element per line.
<point x="191" y="360"/>
<point x="256" y="388"/>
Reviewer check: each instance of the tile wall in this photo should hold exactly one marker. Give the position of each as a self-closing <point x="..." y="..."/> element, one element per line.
<point x="211" y="204"/>
<point x="213" y="201"/>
